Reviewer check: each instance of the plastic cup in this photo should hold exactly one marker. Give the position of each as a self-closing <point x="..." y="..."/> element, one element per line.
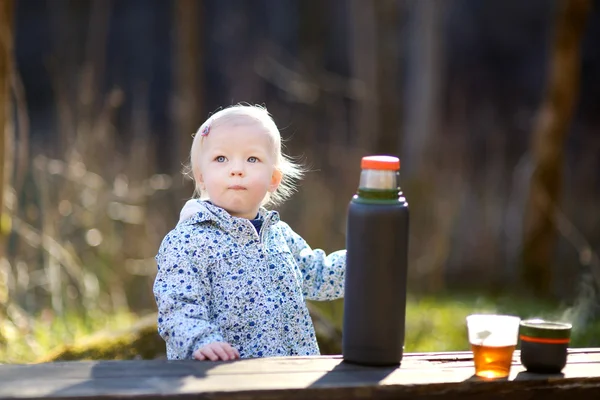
<point x="493" y="339"/>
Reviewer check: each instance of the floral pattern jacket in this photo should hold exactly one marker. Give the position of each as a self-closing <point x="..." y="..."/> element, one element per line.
<point x="219" y="280"/>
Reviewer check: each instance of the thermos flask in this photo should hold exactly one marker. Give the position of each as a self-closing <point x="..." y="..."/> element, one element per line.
<point x="376" y="267"/>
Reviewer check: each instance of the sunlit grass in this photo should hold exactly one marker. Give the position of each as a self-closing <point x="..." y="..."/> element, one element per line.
<point x="437" y="323"/>
<point x="32" y="339"/>
<point x="433" y="324"/>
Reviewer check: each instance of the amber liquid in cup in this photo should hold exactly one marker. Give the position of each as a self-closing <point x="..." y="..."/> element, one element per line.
<point x="492" y="362"/>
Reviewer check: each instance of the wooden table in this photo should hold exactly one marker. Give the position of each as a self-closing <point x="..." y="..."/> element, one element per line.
<point x="421" y="376"/>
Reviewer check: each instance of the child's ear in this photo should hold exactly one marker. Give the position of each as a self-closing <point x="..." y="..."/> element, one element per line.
<point x="275" y="180"/>
<point x="199" y="179"/>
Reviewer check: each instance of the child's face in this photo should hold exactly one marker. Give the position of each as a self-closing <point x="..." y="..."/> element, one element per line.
<point x="237" y="168"/>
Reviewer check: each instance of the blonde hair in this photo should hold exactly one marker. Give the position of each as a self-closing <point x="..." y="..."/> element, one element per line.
<point x="240" y="114"/>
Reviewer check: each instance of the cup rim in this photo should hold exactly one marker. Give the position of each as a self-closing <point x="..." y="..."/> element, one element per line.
<point x="539" y="328"/>
<point x="546" y="324"/>
<point x="514" y="318"/>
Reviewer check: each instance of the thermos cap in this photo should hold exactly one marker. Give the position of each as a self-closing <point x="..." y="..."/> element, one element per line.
<point x="380" y="163"/>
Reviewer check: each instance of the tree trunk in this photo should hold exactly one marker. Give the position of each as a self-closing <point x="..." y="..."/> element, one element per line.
<point x="547" y="146"/>
<point x="387" y="16"/>
<point x="364" y="66"/>
<point x="423" y="177"/>
<point x="188" y="107"/>
<point x="424" y="86"/>
<point x="6" y="52"/>
<point x="374" y="63"/>
<point x="312" y="28"/>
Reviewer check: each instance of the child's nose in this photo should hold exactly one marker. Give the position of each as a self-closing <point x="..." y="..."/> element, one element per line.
<point x="236" y="170"/>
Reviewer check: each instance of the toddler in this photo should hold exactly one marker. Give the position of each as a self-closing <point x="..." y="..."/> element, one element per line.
<point x="232" y="277"/>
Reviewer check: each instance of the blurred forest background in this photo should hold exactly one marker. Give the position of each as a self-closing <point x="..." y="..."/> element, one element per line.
<point x="492" y="107"/>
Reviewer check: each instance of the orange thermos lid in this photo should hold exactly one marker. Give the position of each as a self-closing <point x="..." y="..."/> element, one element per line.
<point x="381" y="163"/>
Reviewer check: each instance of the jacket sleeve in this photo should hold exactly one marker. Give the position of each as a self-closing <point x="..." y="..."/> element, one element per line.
<point x="323" y="275"/>
<point x="182" y="295"/>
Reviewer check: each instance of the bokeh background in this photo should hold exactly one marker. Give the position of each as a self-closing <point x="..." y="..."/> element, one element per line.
<point x="492" y="107"/>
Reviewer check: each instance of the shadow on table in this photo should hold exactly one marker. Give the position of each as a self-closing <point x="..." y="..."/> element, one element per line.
<point x="128" y="377"/>
<point x="161" y="378"/>
<point x="348" y="375"/>
<point x="475" y="378"/>
<point x="521" y="376"/>
<point x="530" y="376"/>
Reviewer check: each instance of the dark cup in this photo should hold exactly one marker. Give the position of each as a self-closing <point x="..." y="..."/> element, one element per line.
<point x="544" y="345"/>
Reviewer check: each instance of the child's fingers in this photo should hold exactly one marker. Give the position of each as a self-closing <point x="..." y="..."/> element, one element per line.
<point x="209" y="353"/>
<point x="220" y="351"/>
<point x="199" y="356"/>
<point x="216" y="351"/>
<point x="230" y="351"/>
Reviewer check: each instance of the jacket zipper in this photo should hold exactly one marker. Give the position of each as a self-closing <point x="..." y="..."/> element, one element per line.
<point x="261" y="237"/>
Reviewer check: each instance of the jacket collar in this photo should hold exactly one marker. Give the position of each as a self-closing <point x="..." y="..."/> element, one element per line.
<point x="198" y="211"/>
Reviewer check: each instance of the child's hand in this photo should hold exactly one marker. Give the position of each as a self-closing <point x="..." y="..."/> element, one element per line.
<point x="216" y="351"/>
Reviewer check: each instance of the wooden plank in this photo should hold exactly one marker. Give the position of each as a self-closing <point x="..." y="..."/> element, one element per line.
<point x="109" y="369"/>
<point x="425" y="375"/>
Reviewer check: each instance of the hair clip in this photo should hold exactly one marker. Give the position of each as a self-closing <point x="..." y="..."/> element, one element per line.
<point x="205" y="130"/>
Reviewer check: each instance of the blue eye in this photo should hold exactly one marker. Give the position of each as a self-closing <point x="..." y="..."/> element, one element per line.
<point x="252" y="159"/>
<point x="220" y="159"/>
